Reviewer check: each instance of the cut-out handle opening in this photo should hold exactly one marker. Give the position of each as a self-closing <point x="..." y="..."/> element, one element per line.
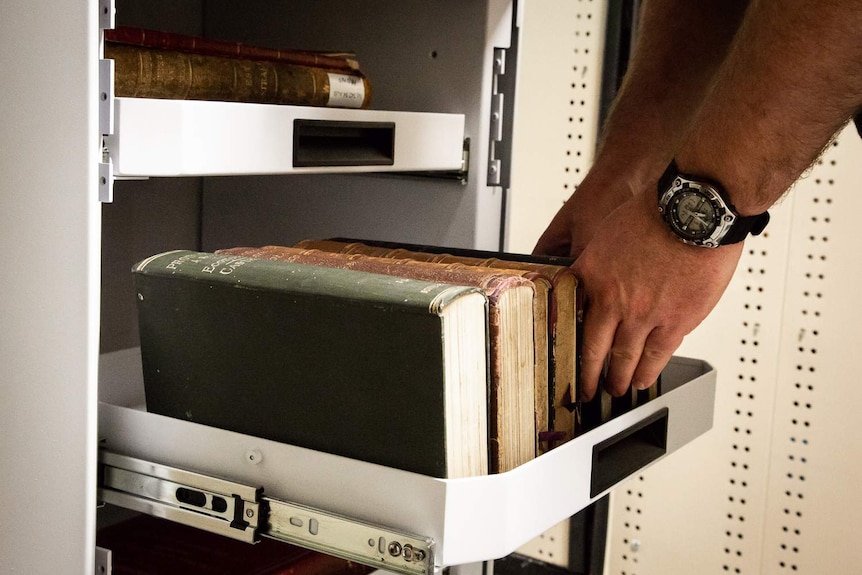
<point x="333" y="143"/>
<point x="625" y="453"/>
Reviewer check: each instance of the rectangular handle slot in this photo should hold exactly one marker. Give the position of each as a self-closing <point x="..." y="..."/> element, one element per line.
<point x="333" y="143"/>
<point x="619" y="456"/>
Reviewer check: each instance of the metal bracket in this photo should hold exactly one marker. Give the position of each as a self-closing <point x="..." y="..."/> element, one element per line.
<point x="107" y="14"/>
<point x="465" y="161"/>
<point x="496" y="136"/>
<point x="107" y="20"/>
<point x="106" y="179"/>
<point x="242" y="512"/>
<point x="103" y="565"/>
<point x="215" y="505"/>
<point x="106" y="128"/>
<point x="106" y="97"/>
<point x="348" y="538"/>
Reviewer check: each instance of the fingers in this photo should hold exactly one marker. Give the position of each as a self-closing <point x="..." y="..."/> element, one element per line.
<point x="625" y="356"/>
<point x="598" y="337"/>
<point x="632" y="355"/>
<point x="657" y="351"/>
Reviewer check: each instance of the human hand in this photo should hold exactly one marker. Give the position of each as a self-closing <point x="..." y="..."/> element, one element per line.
<point x="581" y="216"/>
<point x="644" y="291"/>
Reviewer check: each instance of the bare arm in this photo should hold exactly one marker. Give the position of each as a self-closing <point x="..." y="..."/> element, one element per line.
<point x="680" y="45"/>
<point x="791" y="79"/>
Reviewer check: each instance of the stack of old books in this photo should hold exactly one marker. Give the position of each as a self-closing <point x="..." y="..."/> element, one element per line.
<point x="450" y="363"/>
<point x="155" y="64"/>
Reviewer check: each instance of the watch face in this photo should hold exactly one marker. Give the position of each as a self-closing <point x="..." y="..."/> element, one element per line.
<point x="692" y="214"/>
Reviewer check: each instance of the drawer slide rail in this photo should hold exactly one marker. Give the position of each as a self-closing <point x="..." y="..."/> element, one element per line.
<point x="242" y="512"/>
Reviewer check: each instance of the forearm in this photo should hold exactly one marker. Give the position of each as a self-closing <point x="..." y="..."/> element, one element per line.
<point x="791" y="79"/>
<point x="680" y="45"/>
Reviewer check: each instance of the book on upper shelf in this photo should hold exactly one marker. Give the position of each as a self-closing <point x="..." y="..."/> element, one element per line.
<point x="134" y="36"/>
<point x="556" y="392"/>
<point x="382" y="369"/>
<point x="511" y="328"/>
<point x="148" y="72"/>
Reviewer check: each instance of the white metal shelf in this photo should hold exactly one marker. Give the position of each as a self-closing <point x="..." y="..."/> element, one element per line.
<point x="202" y="138"/>
<point x="469" y="520"/>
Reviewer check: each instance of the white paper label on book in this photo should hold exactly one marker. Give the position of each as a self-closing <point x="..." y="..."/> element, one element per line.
<point x="346" y="91"/>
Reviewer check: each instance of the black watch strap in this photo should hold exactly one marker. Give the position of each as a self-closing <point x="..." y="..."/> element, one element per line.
<point x="743" y="225"/>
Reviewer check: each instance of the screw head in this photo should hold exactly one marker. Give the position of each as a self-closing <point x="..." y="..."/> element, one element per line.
<point x="253" y="456"/>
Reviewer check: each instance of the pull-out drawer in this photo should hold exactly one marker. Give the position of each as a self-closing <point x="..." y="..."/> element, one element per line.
<point x="195" y="138"/>
<point x="461" y="520"/>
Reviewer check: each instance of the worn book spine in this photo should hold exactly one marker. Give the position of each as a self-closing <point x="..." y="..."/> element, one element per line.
<point x="469" y="252"/>
<point x="566" y="316"/>
<point x="562" y="316"/>
<point x="142" y="72"/>
<point x="135" y="36"/>
<point x="351" y="363"/>
<point x="494" y="283"/>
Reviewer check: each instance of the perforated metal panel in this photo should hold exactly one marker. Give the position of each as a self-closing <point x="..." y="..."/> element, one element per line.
<point x="772" y="489"/>
<point x="556" y="111"/>
<point x="554" y="137"/>
<point x="552" y="546"/>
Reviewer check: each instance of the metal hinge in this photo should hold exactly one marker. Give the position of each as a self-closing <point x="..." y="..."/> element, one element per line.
<point x="242" y="512"/>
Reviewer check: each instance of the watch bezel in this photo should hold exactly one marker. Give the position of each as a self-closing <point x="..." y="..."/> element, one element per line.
<point x="724" y="217"/>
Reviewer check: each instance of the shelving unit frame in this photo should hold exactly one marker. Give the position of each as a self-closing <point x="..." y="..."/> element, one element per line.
<point x="51" y="225"/>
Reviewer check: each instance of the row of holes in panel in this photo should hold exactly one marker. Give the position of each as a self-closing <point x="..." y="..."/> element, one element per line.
<point x="552" y="546"/>
<point x="576" y="163"/>
<point x="809" y="325"/>
<point x="746" y="443"/>
<point x="802" y="388"/>
<point x="631" y="498"/>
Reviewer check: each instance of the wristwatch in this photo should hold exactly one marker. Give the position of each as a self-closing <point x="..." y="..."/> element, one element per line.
<point x="700" y="213"/>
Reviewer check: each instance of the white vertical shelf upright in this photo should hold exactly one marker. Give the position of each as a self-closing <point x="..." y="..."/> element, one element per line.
<point x="49" y="230"/>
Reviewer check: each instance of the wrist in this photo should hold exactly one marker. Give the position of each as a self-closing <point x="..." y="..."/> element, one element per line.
<point x="699" y="211"/>
<point x="739" y="180"/>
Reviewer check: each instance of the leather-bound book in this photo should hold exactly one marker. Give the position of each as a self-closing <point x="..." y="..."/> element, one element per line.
<point x="377" y="368"/>
<point x="562" y="314"/>
<point x="512" y="427"/>
<point x="141" y="72"/>
<point x="134" y="36"/>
